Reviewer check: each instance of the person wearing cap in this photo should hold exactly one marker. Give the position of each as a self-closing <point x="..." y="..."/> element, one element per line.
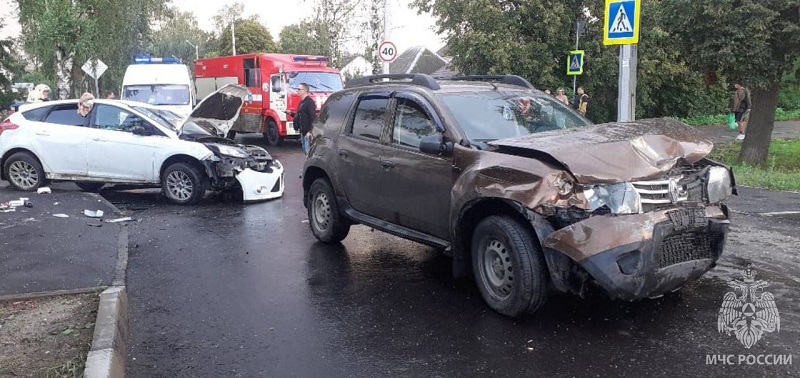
<point x="39" y="94"/>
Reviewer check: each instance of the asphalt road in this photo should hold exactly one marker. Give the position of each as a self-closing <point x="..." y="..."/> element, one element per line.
<point x="226" y="290"/>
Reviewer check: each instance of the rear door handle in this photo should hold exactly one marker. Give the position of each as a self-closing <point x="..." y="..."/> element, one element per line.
<point x="43" y="133"/>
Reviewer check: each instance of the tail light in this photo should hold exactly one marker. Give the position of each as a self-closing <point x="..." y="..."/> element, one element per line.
<point x="7" y="125"/>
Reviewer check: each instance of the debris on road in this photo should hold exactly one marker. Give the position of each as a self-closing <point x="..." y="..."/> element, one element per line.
<point x="61" y="215"/>
<point x="125" y="219"/>
<point x="43" y="190"/>
<point x="93" y="213"/>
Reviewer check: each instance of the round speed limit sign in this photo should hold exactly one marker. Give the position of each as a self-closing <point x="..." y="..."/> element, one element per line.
<point x="387" y="51"/>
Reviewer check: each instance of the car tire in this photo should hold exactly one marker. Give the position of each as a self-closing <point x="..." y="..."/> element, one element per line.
<point x="24" y="172"/>
<point x="183" y="184"/>
<point x="327" y="224"/>
<point x="88" y="186"/>
<point x="271" y="134"/>
<point x="509" y="268"/>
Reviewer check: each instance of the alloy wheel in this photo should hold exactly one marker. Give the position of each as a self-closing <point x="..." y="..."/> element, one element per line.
<point x="179" y="185"/>
<point x="23" y="174"/>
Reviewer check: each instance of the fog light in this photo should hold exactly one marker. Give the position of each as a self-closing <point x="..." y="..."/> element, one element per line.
<point x="629" y="263"/>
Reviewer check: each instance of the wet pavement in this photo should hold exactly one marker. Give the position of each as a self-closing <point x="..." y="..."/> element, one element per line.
<point x="40" y="252"/>
<point x="226" y="289"/>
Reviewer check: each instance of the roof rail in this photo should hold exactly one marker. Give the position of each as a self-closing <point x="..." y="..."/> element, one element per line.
<point x="503" y="79"/>
<point x="416" y="79"/>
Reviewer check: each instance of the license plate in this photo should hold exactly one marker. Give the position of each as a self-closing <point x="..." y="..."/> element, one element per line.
<point x="687" y="218"/>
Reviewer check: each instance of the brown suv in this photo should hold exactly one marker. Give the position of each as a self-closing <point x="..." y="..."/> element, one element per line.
<point x="518" y="187"/>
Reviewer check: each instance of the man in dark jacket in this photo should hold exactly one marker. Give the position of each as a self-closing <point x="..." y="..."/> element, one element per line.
<point x="304" y="116"/>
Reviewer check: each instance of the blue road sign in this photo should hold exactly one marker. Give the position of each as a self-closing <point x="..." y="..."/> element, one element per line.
<point x="621" y="24"/>
<point x="575" y="62"/>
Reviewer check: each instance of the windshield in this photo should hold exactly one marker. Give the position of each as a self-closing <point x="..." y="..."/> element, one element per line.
<point x="487" y="116"/>
<point x="164" y="117"/>
<point x="157" y="94"/>
<point x="317" y="81"/>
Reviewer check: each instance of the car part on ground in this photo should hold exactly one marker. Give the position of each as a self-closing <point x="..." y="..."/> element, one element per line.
<point x="523" y="191"/>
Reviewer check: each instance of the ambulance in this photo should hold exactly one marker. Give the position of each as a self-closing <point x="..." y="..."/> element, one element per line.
<point x="161" y="82"/>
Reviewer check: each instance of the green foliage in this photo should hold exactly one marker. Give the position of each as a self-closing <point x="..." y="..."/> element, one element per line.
<point x="176" y="36"/>
<point x="297" y="39"/>
<point x="251" y="37"/>
<point x="782" y="170"/>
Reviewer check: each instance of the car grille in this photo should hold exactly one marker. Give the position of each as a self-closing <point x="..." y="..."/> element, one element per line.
<point x="656" y="192"/>
<point x="685" y="247"/>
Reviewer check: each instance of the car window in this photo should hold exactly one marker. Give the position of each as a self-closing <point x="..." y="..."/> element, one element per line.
<point x="37" y="114"/>
<point x="370" y="115"/>
<point x="109" y="117"/>
<point x="66" y="115"/>
<point x="486" y="116"/>
<point x="411" y="123"/>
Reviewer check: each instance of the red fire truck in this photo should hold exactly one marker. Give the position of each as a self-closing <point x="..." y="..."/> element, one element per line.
<point x="272" y="80"/>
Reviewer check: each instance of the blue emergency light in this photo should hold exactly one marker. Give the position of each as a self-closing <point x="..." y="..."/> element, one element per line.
<point x="306" y="58"/>
<point x="147" y="59"/>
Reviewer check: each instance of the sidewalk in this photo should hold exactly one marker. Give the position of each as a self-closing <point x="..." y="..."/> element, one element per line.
<point x="782" y="130"/>
<point x="40" y="252"/>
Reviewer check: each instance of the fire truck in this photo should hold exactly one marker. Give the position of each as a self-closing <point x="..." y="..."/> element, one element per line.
<point x="273" y="80"/>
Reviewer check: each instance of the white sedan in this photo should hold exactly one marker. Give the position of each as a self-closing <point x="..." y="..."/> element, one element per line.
<point x="123" y="142"/>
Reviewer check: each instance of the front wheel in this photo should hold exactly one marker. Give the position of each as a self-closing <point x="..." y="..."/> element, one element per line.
<point x="271" y="133"/>
<point x="183" y="184"/>
<point x="327" y="225"/>
<point x="24" y="172"/>
<point x="508" y="266"/>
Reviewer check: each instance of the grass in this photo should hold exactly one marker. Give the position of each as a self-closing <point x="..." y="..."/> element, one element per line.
<point x="782" y="171"/>
<point x="722" y="119"/>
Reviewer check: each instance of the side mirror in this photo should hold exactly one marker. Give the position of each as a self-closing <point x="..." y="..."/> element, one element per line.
<point x="435" y="144"/>
<point x="140" y="131"/>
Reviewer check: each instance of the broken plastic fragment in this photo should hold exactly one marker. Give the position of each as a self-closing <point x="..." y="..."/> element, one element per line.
<point x="61" y="215"/>
<point x="93" y="214"/>
<point x="43" y="190"/>
<point x="125" y="219"/>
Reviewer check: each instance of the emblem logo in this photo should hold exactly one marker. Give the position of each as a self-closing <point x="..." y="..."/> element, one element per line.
<point x="748" y="315"/>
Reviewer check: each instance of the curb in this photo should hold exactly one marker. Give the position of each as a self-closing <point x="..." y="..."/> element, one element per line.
<point x="108" y="354"/>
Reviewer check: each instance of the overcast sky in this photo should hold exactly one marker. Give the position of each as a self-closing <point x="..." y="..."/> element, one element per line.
<point x="408" y="28"/>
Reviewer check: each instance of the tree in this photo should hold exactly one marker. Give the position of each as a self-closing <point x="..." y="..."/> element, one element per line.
<point x="176" y="35"/>
<point x="62" y="34"/>
<point x="755" y="42"/>
<point x="251" y="37"/>
<point x="298" y="39"/>
<point x="331" y="27"/>
<point x="8" y="67"/>
<point x="374" y="31"/>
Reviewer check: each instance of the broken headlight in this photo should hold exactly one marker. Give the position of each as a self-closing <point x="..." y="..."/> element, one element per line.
<point x="619" y="198"/>
<point x="719" y="184"/>
<point x="232" y="151"/>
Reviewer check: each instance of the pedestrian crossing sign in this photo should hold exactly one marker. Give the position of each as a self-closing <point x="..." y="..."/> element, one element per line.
<point x="575" y="62"/>
<point x="621" y="25"/>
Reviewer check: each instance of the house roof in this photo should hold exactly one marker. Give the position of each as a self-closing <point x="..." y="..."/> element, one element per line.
<point x="417" y="59"/>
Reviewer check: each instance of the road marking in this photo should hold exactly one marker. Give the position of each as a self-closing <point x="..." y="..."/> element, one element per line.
<point x="779" y="213"/>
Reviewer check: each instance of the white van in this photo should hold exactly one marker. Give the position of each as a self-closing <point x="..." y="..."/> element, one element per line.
<point x="163" y="85"/>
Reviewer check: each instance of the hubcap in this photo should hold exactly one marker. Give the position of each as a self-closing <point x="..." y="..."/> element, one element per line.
<point x="322" y="211"/>
<point x="179" y="185"/>
<point x="497" y="269"/>
<point x="23" y="174"/>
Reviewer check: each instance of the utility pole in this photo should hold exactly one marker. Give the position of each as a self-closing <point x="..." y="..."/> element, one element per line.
<point x="233" y="36"/>
<point x="386" y="5"/>
<point x="626" y="111"/>
<point x="196" y="51"/>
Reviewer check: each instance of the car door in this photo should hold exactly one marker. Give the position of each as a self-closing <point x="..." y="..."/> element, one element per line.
<point x="114" y="152"/>
<point x="416" y="186"/>
<point x="60" y="140"/>
<point x="359" y="152"/>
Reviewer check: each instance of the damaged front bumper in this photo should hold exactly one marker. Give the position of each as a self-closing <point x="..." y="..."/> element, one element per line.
<point x="258" y="180"/>
<point x="645" y="255"/>
<point x="258" y="186"/>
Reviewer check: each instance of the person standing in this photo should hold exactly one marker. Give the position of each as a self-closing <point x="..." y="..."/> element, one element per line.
<point x="560" y="96"/>
<point x="740" y="103"/>
<point x="581" y="101"/>
<point x="304" y="117"/>
<point x="111" y="95"/>
<point x="39" y="94"/>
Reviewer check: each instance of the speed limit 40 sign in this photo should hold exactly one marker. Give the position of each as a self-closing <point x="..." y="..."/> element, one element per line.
<point x="387" y="51"/>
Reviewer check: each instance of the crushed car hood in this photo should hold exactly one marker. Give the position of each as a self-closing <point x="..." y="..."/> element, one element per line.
<point x="219" y="110"/>
<point x="614" y="152"/>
